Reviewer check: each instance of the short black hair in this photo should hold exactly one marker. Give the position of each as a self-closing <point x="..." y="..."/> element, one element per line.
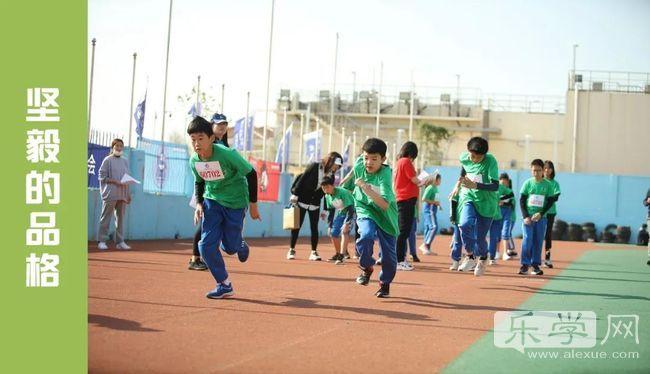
<point x="200" y="125"/>
<point x="537" y="162"/>
<point x="375" y="145"/>
<point x="504" y="176"/>
<point x="438" y="176"/>
<point x="409" y="149"/>
<point x="327" y="181"/>
<point x="478" y="145"/>
<point x="549" y="164"/>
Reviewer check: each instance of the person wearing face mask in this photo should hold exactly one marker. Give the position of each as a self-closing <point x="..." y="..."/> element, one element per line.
<point x="115" y="195"/>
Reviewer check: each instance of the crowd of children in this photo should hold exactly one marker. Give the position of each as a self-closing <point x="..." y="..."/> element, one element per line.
<point x="375" y="203"/>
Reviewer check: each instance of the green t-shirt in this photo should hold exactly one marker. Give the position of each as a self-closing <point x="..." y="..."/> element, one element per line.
<point x="339" y="199"/>
<point x="486" y="171"/>
<point x="430" y="193"/>
<point x="556" y="191"/>
<point x="381" y="182"/>
<point x="503" y="190"/>
<point x="537" y="193"/>
<point x="224" y="175"/>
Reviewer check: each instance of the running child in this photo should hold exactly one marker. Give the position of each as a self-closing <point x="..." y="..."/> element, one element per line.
<point x="477" y="203"/>
<point x="376" y="208"/>
<point x="342" y="217"/>
<point x="222" y="205"/>
<point x="496" y="229"/>
<point x="430" y="208"/>
<point x="456" y="244"/>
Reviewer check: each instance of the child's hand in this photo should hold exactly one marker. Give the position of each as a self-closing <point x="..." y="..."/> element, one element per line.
<point x="128" y="199"/>
<point x="536" y="217"/>
<point x="527" y="221"/>
<point x="323" y="216"/>
<point x="468" y="183"/>
<point x="198" y="213"/>
<point x="254" y="211"/>
<point x="359" y="182"/>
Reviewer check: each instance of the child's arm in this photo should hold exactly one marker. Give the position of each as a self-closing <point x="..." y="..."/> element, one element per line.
<point x="374" y="196"/>
<point x="251" y="178"/>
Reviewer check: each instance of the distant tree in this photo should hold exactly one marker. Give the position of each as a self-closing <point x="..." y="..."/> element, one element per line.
<point x="432" y="135"/>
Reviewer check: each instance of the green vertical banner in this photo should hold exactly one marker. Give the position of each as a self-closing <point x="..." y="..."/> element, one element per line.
<point x="43" y="116"/>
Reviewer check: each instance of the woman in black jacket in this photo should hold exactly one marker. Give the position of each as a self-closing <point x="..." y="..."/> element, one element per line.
<point x="307" y="194"/>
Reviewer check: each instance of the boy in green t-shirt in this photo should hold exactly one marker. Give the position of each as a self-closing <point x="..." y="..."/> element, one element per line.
<point x="340" y="203"/>
<point x="536" y="198"/>
<point x="505" y="195"/>
<point x="430" y="208"/>
<point x="221" y="202"/>
<point x="479" y="179"/>
<point x="376" y="208"/>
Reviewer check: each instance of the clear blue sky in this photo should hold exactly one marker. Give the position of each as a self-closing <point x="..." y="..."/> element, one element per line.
<point x="508" y="46"/>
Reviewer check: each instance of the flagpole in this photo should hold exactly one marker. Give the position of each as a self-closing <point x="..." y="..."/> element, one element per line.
<point x="381" y="79"/>
<point x="135" y="55"/>
<point x="317" y="139"/>
<point x="333" y="95"/>
<point x="268" y="82"/>
<point x="411" y="114"/>
<point x="342" y="148"/>
<point x="164" y="113"/>
<point x="90" y="93"/>
<point x="223" y="95"/>
<point x="284" y="133"/>
<point x="302" y="131"/>
<point x="246" y="134"/>
<point x="198" y="92"/>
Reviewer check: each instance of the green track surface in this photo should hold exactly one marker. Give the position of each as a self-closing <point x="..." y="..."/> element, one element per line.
<point x="607" y="282"/>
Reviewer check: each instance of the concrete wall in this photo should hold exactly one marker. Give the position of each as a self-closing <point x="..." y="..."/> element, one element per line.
<point x="613" y="132"/>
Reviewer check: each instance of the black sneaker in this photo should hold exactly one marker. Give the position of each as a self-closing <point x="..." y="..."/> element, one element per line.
<point x="198" y="264"/>
<point x="384" y="291"/>
<point x="364" y="278"/>
<point x="416" y="258"/>
<point x="537" y="270"/>
<point x="346" y="255"/>
<point x="512" y="253"/>
<point x="333" y="258"/>
<point x="523" y="270"/>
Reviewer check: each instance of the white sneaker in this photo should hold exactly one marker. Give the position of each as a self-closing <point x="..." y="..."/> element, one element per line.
<point x="122" y="246"/>
<point x="506" y="256"/>
<point x="291" y="254"/>
<point x="497" y="254"/>
<point x="480" y="268"/>
<point x="314" y="256"/>
<point x="404" y="266"/>
<point x="454" y="265"/>
<point x="102" y="246"/>
<point x="468" y="264"/>
<point x="493" y="262"/>
<point x="424" y="249"/>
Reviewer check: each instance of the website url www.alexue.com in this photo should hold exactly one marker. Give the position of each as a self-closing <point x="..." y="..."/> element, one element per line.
<point x="580" y="355"/>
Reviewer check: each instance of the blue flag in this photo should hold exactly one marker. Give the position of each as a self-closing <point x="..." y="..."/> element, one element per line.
<point x="238" y="141"/>
<point x="283" y="149"/>
<point x="312" y="145"/>
<point x="139" y="116"/>
<point x="195" y="110"/>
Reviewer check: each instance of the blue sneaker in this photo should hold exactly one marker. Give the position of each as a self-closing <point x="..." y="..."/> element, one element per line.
<point x="220" y="292"/>
<point x="243" y="252"/>
<point x="226" y="250"/>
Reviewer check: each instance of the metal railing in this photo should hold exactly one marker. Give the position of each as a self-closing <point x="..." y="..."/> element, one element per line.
<point x="613" y="81"/>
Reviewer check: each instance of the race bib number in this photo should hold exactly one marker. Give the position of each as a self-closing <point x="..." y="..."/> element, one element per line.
<point x="476" y="178"/>
<point x="337" y="203"/>
<point x="536" y="201"/>
<point x="209" y="171"/>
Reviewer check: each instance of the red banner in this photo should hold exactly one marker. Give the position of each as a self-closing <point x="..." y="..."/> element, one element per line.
<point x="268" y="179"/>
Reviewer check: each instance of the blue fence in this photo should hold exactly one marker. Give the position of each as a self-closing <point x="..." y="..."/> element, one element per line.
<point x="598" y="198"/>
<point x="602" y="199"/>
<point x="166" y="168"/>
